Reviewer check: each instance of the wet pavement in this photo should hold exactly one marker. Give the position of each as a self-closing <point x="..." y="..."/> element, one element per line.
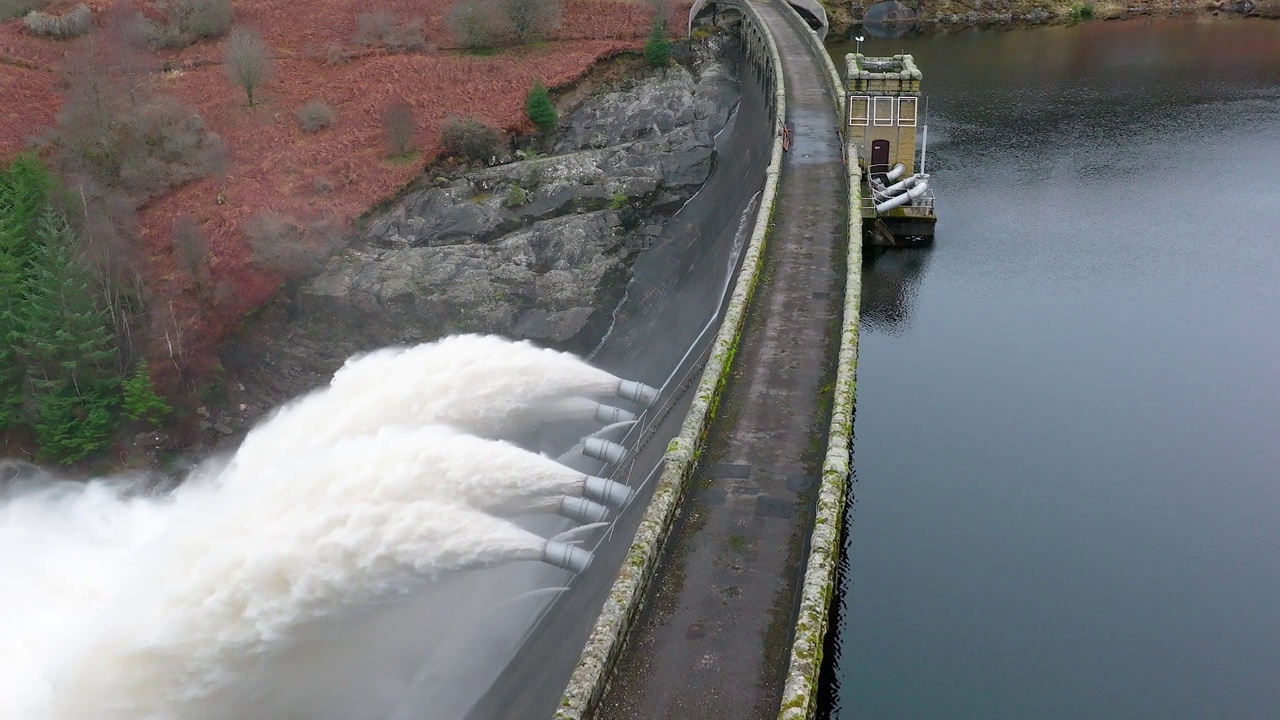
<point x="713" y="638"/>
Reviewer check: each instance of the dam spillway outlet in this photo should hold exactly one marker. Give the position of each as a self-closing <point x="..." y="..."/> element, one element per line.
<point x="609" y="414"/>
<point x="603" y="450"/>
<point x="611" y="493"/>
<point x="637" y="392"/>
<point x="566" y="556"/>
<point x="582" y="510"/>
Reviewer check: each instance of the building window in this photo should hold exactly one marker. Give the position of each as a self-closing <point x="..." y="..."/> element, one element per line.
<point x="859" y="109"/>
<point x="907" y="111"/>
<point x="883" y="111"/>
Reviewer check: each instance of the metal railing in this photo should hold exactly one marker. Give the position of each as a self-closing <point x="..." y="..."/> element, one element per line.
<point x="920" y="207"/>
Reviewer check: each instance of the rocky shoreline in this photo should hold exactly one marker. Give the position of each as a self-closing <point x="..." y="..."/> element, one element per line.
<point x="952" y="15"/>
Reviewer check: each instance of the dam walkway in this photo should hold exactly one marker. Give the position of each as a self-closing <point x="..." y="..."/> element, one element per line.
<point x="713" y="638"/>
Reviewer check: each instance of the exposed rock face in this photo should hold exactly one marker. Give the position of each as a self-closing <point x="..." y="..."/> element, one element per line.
<point x="538" y="249"/>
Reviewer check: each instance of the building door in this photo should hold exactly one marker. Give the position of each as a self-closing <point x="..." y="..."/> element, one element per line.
<point x="879" y="157"/>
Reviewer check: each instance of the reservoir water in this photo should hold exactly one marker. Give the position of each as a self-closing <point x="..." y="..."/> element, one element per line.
<point x="1068" y="429"/>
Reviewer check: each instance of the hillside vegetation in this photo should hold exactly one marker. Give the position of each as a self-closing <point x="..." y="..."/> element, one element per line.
<point x="208" y="151"/>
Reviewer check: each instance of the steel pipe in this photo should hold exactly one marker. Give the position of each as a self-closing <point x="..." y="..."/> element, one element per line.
<point x="605" y="450"/>
<point x="608" y="414"/>
<point x="566" y="557"/>
<point x="582" y="510"/>
<point x="637" y="392"/>
<point x="611" y="493"/>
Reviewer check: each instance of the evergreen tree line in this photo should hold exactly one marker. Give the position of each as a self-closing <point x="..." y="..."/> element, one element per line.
<point x="60" y="365"/>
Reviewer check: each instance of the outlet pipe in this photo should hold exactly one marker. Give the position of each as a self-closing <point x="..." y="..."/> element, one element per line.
<point x="895" y="172"/>
<point x="611" y="493"/>
<point x="901" y="186"/>
<point x="608" y="414"/>
<point x="565" y="556"/>
<point x="909" y="196"/>
<point x="605" y="450"/>
<point x="637" y="392"/>
<point x="582" y="510"/>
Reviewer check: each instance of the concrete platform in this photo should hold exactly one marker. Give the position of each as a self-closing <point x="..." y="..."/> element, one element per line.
<point x="713" y="638"/>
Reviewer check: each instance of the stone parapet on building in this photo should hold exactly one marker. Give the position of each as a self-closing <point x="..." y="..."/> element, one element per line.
<point x="882" y="75"/>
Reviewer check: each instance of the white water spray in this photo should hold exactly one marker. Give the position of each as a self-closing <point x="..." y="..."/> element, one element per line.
<point x="266" y="585"/>
<point x="472" y="382"/>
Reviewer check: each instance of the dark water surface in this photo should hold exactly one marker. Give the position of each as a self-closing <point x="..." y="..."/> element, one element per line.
<point x="1068" y="428"/>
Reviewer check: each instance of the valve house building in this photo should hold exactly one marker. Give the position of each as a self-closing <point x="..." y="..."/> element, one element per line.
<point x="884" y="111"/>
<point x="884" y="104"/>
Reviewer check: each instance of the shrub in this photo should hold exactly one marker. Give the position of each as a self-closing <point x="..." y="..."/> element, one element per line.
<point x="315" y="115"/>
<point x="530" y="19"/>
<point x="283" y="247"/>
<point x="203" y="18"/>
<point x="162" y="37"/>
<point x="398" y="128"/>
<point x="373" y="27"/>
<point x="379" y="29"/>
<point x="657" y="49"/>
<point x="470" y="139"/>
<point x="473" y="24"/>
<point x="140" y="400"/>
<point x="18" y="8"/>
<point x="75" y="22"/>
<point x="1081" y="12"/>
<point x="189" y="21"/>
<point x="539" y="108"/>
<point x="334" y="55"/>
<point x="516" y="196"/>
<point x="411" y="35"/>
<point x="247" y="61"/>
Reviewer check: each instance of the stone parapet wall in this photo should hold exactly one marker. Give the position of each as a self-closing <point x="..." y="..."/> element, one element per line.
<point x="620" y="609"/>
<point x="800" y="692"/>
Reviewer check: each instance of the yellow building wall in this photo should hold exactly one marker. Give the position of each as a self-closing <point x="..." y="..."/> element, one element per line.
<point x="902" y="143"/>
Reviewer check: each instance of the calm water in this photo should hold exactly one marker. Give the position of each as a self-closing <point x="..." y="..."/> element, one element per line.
<point x="1068" y="430"/>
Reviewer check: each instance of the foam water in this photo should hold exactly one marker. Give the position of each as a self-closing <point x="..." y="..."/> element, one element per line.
<point x="311" y="574"/>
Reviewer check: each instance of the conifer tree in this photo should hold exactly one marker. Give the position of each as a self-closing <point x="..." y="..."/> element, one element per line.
<point x="24" y="189"/>
<point x="657" y="49"/>
<point x="141" y="402"/>
<point x="539" y="108"/>
<point x="67" y="345"/>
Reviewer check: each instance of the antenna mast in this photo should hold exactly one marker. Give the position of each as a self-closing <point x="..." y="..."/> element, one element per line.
<point x="924" y="141"/>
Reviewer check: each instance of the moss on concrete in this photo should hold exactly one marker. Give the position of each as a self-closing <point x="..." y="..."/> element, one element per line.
<point x="604" y="645"/>
<point x="800" y="692"/>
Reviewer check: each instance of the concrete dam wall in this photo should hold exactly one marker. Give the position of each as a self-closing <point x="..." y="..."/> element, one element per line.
<point x="663" y="329"/>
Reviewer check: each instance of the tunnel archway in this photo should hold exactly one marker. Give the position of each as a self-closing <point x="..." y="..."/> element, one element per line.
<point x="811" y="11"/>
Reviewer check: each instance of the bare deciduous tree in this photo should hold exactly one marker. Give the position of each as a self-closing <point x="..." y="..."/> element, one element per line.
<point x="398" y="128"/>
<point x="190" y="250"/>
<point x="530" y="19"/>
<point x="248" y="62"/>
<point x="472" y="22"/>
<point x="661" y="9"/>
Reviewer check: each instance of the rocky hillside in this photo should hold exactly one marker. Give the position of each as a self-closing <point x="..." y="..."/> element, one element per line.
<point x="541" y="248"/>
